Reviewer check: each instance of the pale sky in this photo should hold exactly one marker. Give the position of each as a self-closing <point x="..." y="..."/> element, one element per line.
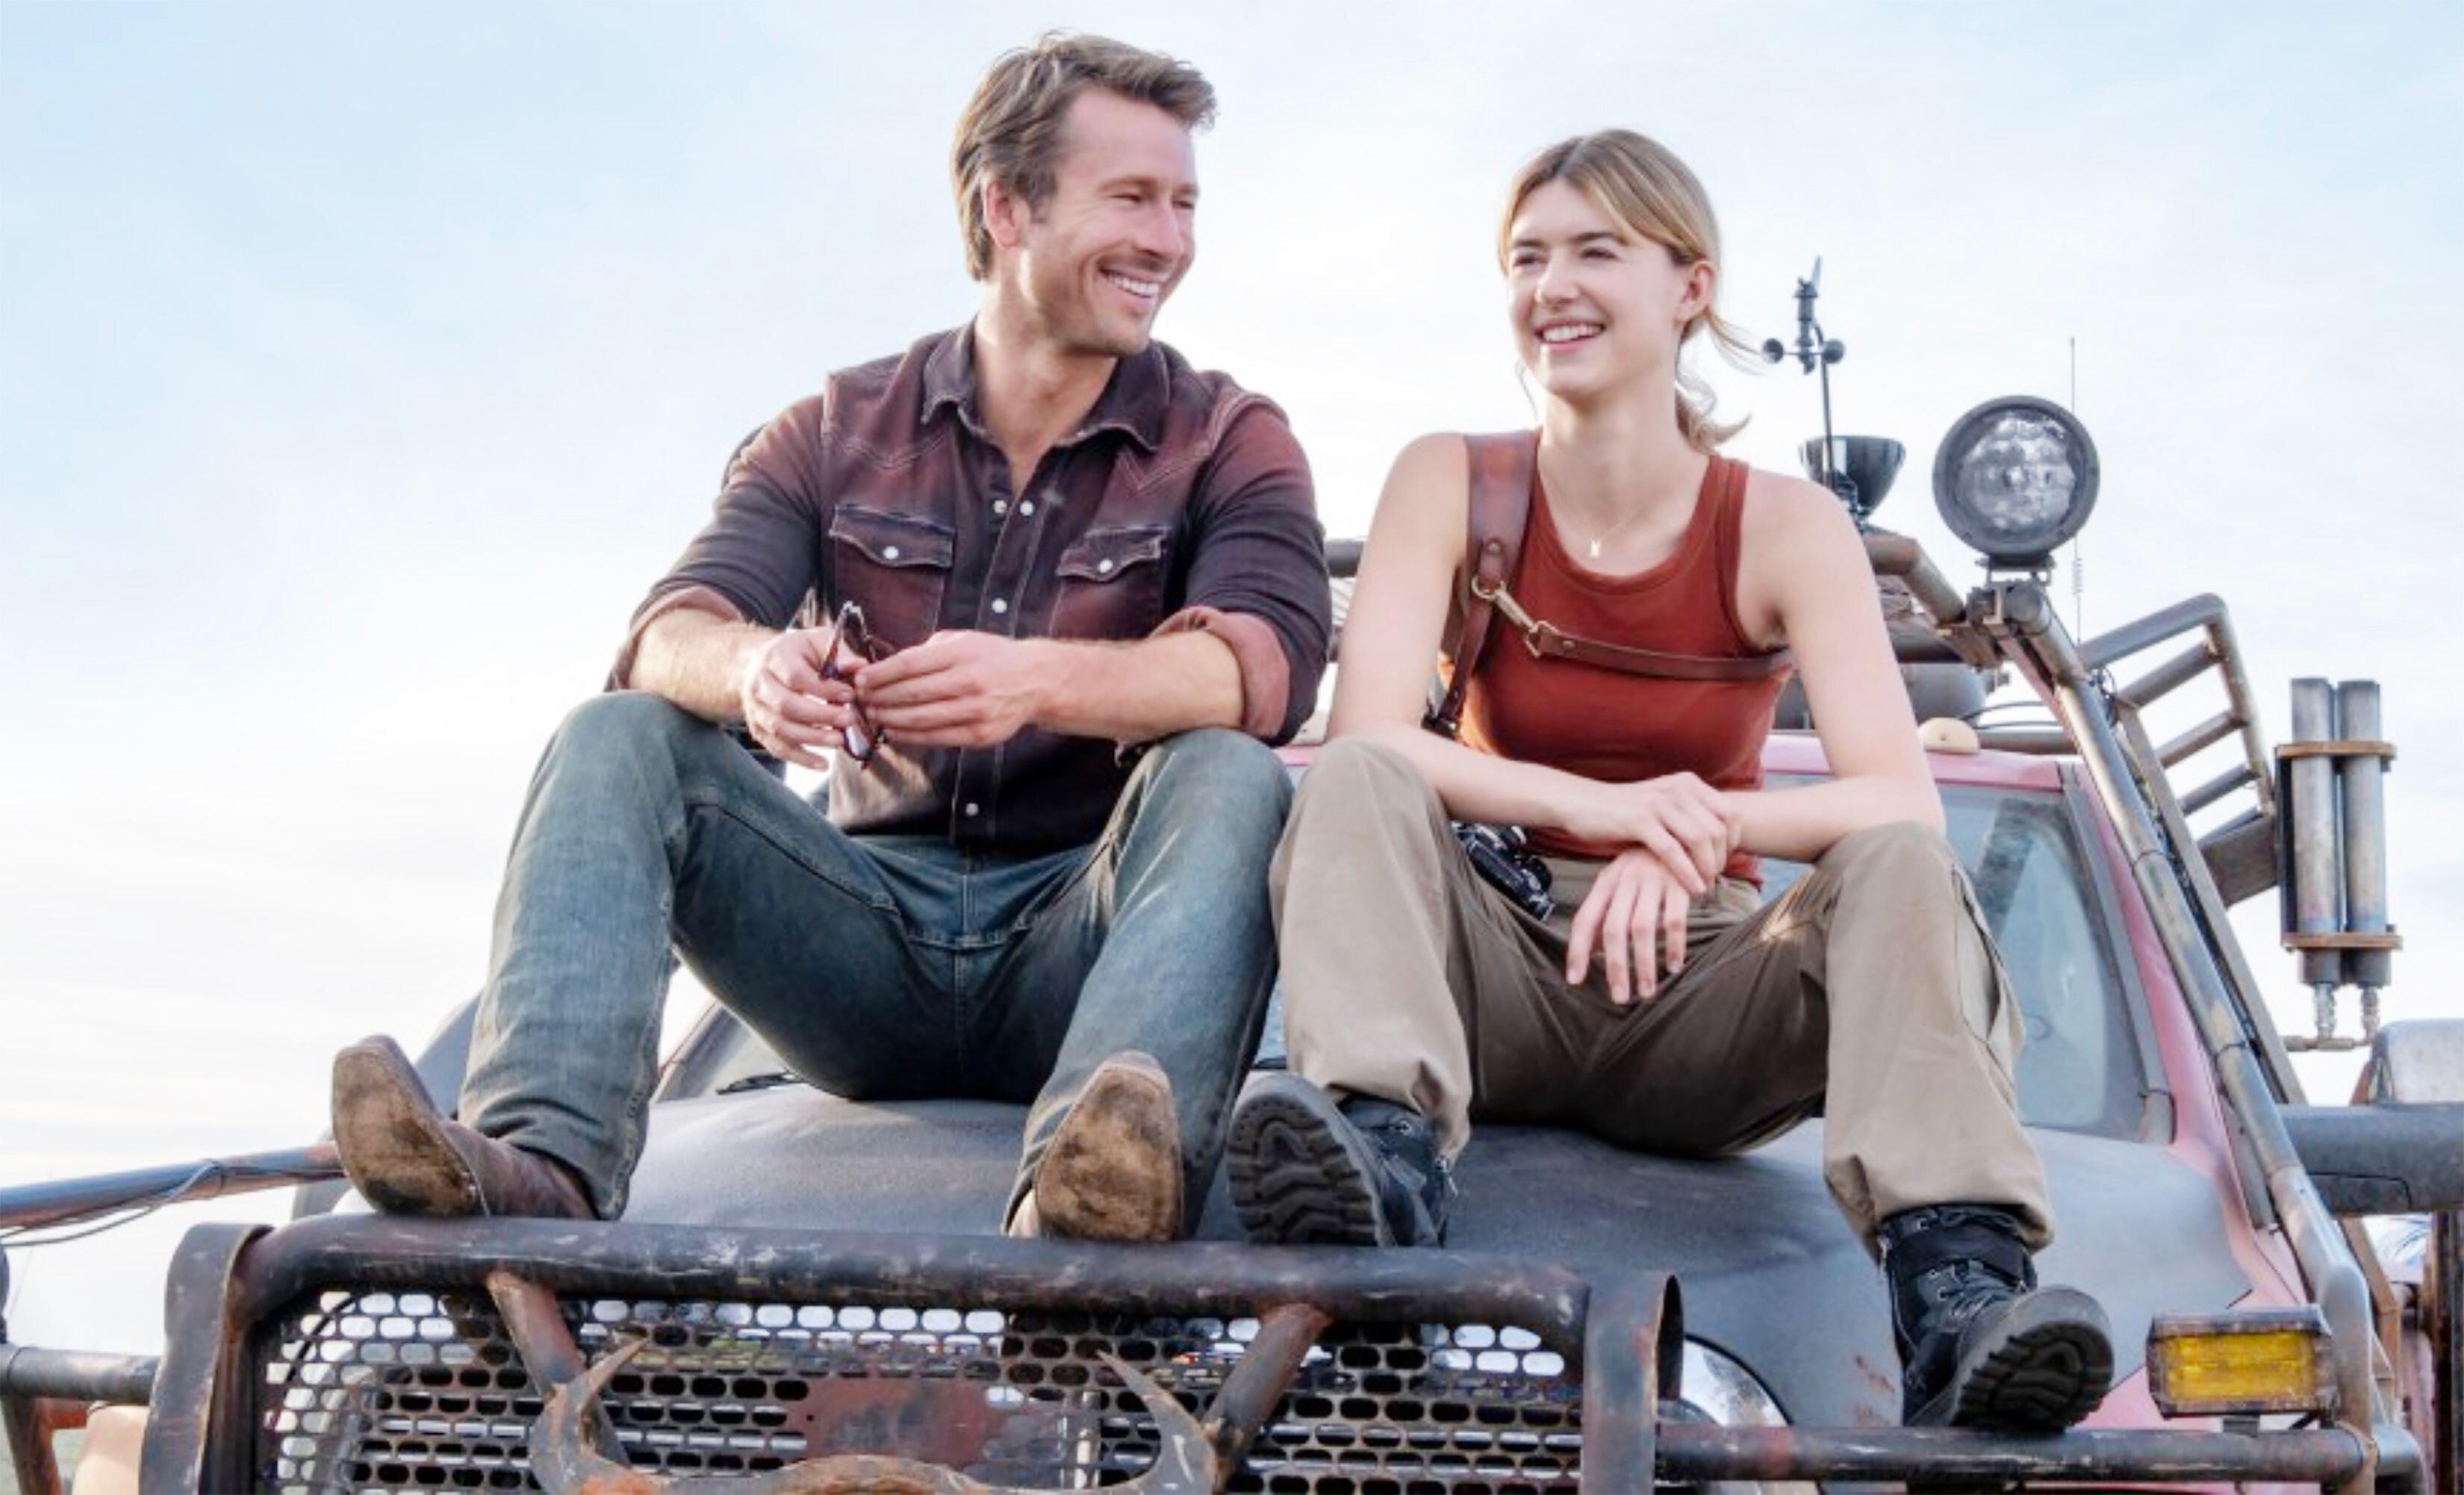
<point x="360" y="366"/>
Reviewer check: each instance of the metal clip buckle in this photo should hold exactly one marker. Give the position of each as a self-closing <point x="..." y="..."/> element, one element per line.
<point x="1497" y="596"/>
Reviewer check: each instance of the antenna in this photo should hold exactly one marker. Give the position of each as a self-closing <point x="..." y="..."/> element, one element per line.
<point x="1814" y="351"/>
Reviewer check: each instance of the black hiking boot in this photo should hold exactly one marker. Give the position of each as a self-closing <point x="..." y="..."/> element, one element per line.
<point x="1306" y="1171"/>
<point x="1981" y="1345"/>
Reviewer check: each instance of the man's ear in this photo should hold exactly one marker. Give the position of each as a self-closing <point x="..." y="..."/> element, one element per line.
<point x="1005" y="214"/>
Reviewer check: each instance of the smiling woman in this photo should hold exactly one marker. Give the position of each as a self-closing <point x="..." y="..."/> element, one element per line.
<point x="1657" y="216"/>
<point x="1627" y="740"/>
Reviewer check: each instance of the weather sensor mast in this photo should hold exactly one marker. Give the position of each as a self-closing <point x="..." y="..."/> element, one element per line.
<point x="1858" y="469"/>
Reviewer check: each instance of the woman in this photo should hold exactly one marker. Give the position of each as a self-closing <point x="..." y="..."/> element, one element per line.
<point x="1659" y="1006"/>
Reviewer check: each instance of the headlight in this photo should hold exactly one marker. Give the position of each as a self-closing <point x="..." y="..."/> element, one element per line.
<point x="1721" y="1389"/>
<point x="2016" y="478"/>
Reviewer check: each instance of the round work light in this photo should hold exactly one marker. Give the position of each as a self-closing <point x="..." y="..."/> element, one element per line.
<point x="2016" y="478"/>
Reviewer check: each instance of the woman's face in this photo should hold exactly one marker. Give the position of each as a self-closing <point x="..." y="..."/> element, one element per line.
<point x="1595" y="306"/>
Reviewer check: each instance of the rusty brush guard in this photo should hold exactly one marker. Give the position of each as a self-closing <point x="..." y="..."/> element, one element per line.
<point x="357" y="1353"/>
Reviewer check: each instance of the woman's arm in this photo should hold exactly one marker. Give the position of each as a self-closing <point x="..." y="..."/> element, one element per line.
<point x="1399" y="616"/>
<point x="1804" y="570"/>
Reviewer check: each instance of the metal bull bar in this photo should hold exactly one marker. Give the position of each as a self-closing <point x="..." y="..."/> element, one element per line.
<point x="1624" y="1332"/>
<point x="2249" y="1066"/>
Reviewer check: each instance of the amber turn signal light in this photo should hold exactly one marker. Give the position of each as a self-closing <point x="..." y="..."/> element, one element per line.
<point x="2225" y="1364"/>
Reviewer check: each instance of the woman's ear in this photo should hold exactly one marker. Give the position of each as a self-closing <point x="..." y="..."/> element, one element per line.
<point x="1702" y="285"/>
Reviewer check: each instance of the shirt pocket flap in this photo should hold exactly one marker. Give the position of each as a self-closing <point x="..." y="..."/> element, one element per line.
<point x="1101" y="555"/>
<point x="894" y="539"/>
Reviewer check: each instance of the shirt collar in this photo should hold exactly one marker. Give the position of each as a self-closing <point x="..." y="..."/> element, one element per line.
<point x="1132" y="402"/>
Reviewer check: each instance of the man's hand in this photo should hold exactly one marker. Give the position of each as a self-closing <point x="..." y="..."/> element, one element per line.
<point x="790" y="708"/>
<point x="1690" y="826"/>
<point x="957" y="689"/>
<point x="1635" y="915"/>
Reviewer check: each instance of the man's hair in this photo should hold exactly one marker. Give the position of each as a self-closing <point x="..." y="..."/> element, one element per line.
<point x="1012" y="129"/>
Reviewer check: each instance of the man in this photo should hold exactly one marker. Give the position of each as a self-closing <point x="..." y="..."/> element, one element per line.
<point x="978" y="574"/>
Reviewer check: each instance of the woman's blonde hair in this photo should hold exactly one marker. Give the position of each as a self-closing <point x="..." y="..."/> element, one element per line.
<point x="1642" y="184"/>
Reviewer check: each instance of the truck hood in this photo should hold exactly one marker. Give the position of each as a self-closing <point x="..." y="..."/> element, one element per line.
<point x="1770" y="1272"/>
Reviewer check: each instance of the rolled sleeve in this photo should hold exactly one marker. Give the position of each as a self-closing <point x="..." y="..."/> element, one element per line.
<point x="1266" y="670"/>
<point x="754" y="561"/>
<point x="1257" y="578"/>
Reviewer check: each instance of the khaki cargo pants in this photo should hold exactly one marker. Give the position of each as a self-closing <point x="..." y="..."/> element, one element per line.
<point x="1869" y="991"/>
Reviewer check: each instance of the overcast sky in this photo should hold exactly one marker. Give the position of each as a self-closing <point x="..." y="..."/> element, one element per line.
<point x="360" y="366"/>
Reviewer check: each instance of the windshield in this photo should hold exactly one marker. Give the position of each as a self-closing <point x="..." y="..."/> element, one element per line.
<point x="2078" y="1067"/>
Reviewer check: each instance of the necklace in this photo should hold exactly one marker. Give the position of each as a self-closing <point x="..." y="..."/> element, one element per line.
<point x="1592" y="553"/>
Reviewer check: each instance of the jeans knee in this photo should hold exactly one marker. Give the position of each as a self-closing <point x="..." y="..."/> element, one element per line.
<point x="622" y="717"/>
<point x="1231" y="773"/>
<point x="627" y="737"/>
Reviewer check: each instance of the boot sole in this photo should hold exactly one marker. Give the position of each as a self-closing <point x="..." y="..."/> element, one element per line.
<point x="1300" y="1174"/>
<point x="392" y="1138"/>
<point x="2045" y="1366"/>
<point x="1113" y="1169"/>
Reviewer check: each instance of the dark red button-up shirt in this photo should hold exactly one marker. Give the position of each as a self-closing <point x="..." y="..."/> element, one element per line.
<point x="1182" y="501"/>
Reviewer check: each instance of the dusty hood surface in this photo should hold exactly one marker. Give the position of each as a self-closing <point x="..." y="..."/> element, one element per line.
<point x="1770" y="1272"/>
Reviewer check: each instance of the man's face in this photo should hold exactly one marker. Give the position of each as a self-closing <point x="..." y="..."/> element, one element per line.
<point x="1095" y="262"/>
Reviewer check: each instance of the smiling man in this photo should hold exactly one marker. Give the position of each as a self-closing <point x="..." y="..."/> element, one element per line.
<point x="1037" y="595"/>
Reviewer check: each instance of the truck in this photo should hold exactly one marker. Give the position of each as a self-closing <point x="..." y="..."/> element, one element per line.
<point x="810" y="1294"/>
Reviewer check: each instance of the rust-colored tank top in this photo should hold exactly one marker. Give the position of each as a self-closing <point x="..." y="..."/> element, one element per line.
<point x="1616" y="727"/>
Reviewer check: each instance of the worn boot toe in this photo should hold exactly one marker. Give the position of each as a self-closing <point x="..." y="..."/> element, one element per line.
<point x="1111" y="1171"/>
<point x="405" y="1157"/>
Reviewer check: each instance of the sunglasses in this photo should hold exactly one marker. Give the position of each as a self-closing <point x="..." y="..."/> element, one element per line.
<point x="848" y="630"/>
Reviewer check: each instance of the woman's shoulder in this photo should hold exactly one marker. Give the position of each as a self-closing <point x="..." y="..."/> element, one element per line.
<point x="1787" y="511"/>
<point x="1427" y="494"/>
<point x="1438" y="454"/>
<point x="1432" y="472"/>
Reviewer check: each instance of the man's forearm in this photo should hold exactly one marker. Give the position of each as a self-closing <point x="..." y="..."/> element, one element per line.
<point x="1137" y="692"/>
<point x="698" y="660"/>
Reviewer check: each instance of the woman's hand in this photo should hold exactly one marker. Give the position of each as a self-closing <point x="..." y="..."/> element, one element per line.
<point x="1691" y="826"/>
<point x="1635" y="915"/>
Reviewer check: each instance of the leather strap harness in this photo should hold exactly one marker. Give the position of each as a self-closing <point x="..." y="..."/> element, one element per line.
<point x="1501" y="468"/>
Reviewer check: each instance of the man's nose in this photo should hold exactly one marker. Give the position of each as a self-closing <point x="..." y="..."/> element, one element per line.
<point x="1164" y="234"/>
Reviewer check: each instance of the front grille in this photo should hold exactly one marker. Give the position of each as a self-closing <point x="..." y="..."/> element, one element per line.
<point x="383" y="1391"/>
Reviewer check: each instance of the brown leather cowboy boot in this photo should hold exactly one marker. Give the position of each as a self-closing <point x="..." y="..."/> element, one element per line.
<point x="407" y="1158"/>
<point x="1111" y="1171"/>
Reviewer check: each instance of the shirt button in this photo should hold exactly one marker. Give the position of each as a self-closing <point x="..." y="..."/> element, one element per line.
<point x="1104" y="567"/>
<point x="1000" y="606"/>
<point x="889" y="552"/>
<point x="973" y="808"/>
<point x="1001" y="506"/>
<point x="1026" y="507"/>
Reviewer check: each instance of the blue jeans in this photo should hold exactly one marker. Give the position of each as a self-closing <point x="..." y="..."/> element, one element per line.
<point x="881" y="967"/>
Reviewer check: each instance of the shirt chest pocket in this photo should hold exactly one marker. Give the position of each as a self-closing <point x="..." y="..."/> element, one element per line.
<point x="895" y="566"/>
<point x="1113" y="582"/>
